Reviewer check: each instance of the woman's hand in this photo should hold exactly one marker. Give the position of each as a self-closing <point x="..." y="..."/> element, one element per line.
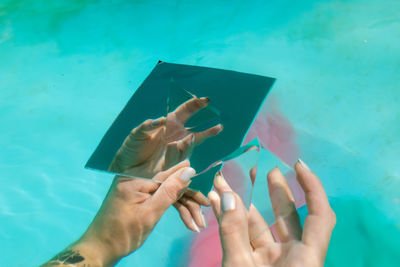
<point x="156" y="145"/>
<point x="246" y="238"/>
<point x="153" y="147"/>
<point x="127" y="216"/>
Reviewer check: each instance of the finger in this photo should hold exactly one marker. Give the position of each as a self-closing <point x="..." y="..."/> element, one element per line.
<point x="132" y="190"/>
<point x="220" y="183"/>
<point x="171" y="190"/>
<point x="215" y="203"/>
<point x="148" y="125"/>
<point x="185" y="146"/>
<point x="259" y="233"/>
<point x="198" y="197"/>
<point x="186" y="217"/>
<point x="162" y="176"/>
<point x="195" y="211"/>
<point x="220" y="186"/>
<point x="190" y="107"/>
<point x="137" y="184"/>
<point x="288" y="225"/>
<point x="233" y="226"/>
<point x="321" y="219"/>
<point x="253" y="174"/>
<point x="200" y="137"/>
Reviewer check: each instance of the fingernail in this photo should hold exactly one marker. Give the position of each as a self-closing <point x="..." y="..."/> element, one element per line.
<point x="192" y="139"/>
<point x="196" y="228"/>
<point x="187" y="174"/>
<point x="220" y="179"/>
<point x="204" y="219"/>
<point x="205" y="99"/>
<point x="228" y="201"/>
<point x="156" y="122"/>
<point x="304" y="165"/>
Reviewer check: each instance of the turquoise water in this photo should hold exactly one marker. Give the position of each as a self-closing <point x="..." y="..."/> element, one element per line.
<point x="68" y="67"/>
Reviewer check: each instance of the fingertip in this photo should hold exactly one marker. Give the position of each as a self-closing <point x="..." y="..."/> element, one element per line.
<point x="303" y="165"/>
<point x="302" y="168"/>
<point x="186" y="142"/>
<point x="306" y="178"/>
<point x="195" y="227"/>
<point x="205" y="100"/>
<point x="252" y="207"/>
<point x="186" y="174"/>
<point x="213" y="196"/>
<point x="274" y="177"/>
<point x="219" y="128"/>
<point x="186" y="217"/>
<point x="273" y="172"/>
<point x="220" y="183"/>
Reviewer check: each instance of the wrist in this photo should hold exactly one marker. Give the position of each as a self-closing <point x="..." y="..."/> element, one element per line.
<point x="98" y="252"/>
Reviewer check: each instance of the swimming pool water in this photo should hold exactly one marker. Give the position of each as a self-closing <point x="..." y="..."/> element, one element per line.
<point x="67" y="68"/>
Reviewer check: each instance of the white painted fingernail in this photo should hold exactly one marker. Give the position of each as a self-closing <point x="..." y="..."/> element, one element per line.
<point x="156" y="122"/>
<point x="197" y="229"/>
<point x="192" y="141"/>
<point x="304" y="165"/>
<point x="228" y="201"/>
<point x="187" y="174"/>
<point x="204" y="219"/>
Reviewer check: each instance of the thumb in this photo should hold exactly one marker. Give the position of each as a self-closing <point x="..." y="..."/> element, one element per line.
<point x="234" y="231"/>
<point x="171" y="189"/>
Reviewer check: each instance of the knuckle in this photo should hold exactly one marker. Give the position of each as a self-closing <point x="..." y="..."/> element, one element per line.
<point x="231" y="227"/>
<point x="122" y="190"/>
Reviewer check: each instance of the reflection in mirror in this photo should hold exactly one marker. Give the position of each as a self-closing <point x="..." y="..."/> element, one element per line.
<point x="157" y="145"/>
<point x="182" y="112"/>
<point x="239" y="170"/>
<point x="191" y="121"/>
<point x="190" y="115"/>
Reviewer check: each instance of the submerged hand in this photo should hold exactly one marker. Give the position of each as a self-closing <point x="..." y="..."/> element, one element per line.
<point x="246" y="238"/>
<point x="152" y="147"/>
<point x="127" y="216"/>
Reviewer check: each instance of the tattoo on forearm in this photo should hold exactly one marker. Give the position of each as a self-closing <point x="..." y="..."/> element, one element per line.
<point x="67" y="257"/>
